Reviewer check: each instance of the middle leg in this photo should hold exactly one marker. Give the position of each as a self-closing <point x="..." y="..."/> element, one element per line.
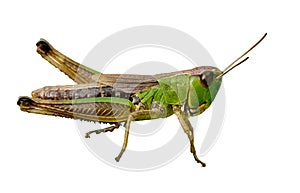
<point x="138" y="115"/>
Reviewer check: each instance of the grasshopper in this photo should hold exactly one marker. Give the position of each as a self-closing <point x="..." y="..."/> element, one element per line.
<point x="119" y="99"/>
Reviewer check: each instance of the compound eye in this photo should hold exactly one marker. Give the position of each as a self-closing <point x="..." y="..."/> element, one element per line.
<point x="206" y="78"/>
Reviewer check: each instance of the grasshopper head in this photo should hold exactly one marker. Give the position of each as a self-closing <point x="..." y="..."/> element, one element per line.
<point x="208" y="77"/>
<point x="206" y="81"/>
<point x="203" y="88"/>
<point x="210" y="80"/>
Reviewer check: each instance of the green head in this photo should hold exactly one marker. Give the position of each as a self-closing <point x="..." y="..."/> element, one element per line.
<point x="203" y="88"/>
<point x="205" y="83"/>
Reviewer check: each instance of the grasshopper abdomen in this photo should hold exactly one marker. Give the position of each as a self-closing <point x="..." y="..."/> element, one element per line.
<point x="68" y="92"/>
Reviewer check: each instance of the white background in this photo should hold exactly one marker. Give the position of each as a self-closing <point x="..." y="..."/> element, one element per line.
<point x="258" y="149"/>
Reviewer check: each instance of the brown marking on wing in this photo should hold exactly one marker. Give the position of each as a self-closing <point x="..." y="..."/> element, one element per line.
<point x="128" y="83"/>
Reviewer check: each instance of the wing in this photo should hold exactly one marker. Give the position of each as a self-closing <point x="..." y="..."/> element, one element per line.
<point x="128" y="83"/>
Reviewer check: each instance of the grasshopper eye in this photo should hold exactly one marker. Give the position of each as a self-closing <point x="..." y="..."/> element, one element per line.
<point x="206" y="78"/>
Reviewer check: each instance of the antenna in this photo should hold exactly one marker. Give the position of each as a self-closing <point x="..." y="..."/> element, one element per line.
<point x="234" y="64"/>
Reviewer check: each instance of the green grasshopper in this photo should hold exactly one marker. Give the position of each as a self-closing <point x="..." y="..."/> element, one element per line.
<point x="122" y="98"/>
